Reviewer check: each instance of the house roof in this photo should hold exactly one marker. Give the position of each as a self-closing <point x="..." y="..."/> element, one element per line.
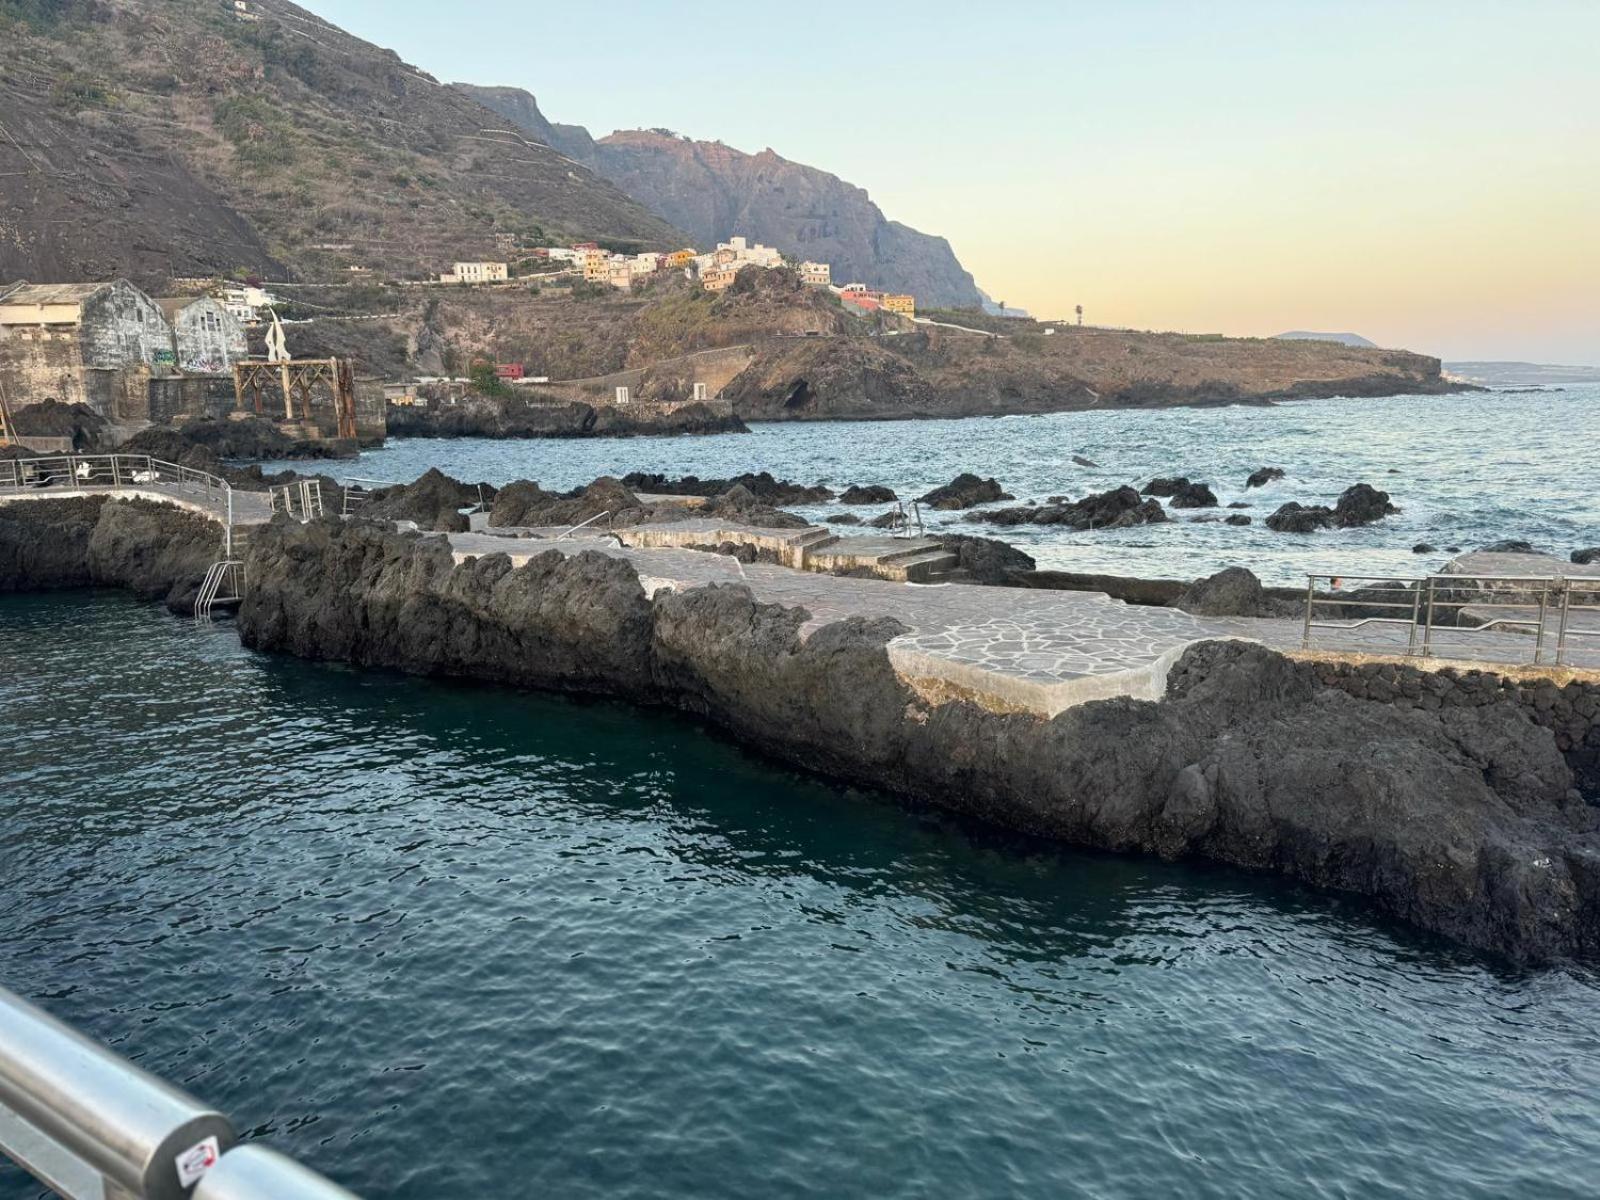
<point x="171" y="306"/>
<point x="51" y="293"/>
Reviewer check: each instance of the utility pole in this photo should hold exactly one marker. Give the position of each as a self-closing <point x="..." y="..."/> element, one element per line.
<point x="1080" y="316"/>
<point x="7" y="433"/>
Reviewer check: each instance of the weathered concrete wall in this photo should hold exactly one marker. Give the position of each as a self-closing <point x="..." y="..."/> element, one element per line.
<point x="39" y="363"/>
<point x="207" y="338"/>
<point x="1570" y="709"/>
<point x="178" y="398"/>
<point x="123" y="327"/>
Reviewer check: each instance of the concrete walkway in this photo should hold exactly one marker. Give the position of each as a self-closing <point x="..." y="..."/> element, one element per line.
<point x="1036" y="651"/>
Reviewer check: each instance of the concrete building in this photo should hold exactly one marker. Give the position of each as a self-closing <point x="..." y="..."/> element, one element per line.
<point x="206" y="337"/>
<point x="680" y="258"/>
<point x="906" y="306"/>
<point x="739" y="250"/>
<point x="82" y="343"/>
<point x="619" y="272"/>
<point x="816" y="274"/>
<point x="477" y="272"/>
<point x="719" y="278"/>
<point x="246" y="303"/>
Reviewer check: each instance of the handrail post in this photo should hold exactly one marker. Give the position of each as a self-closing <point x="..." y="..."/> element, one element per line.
<point x="1427" y="628"/>
<point x="1561" y="626"/>
<point x="1416" y="611"/>
<point x="1544" y="608"/>
<point x="1311" y="594"/>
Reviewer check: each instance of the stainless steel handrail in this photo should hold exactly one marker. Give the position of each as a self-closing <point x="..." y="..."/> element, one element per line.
<point x="83" y="472"/>
<point x="90" y="1124"/>
<point x="1544" y="595"/>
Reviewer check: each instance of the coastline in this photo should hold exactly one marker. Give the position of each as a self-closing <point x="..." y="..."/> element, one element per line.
<point x="1462" y="817"/>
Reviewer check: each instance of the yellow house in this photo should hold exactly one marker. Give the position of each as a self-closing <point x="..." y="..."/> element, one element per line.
<point x="906" y="306"/>
<point x="679" y="259"/>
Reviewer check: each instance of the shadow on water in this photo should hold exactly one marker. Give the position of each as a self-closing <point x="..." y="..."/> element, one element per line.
<point x="583" y="947"/>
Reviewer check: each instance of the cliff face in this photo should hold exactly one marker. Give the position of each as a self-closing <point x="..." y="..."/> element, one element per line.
<point x="715" y="192"/>
<point x="152" y="138"/>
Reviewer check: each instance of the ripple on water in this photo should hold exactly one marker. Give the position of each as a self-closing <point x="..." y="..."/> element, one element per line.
<point x="587" y="950"/>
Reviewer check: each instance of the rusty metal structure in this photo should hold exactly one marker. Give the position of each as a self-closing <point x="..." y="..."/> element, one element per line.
<point x="296" y="385"/>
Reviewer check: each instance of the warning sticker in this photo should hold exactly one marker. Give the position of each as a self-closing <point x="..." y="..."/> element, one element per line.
<point x="196" y="1161"/>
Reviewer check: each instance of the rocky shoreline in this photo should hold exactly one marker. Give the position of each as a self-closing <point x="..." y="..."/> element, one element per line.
<point x="1462" y="817"/>
<point x="516" y="418"/>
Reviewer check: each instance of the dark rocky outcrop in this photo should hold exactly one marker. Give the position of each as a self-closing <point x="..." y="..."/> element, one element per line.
<point x="434" y="502"/>
<point x="844" y="519"/>
<point x="521" y="417"/>
<point x="1463" y="820"/>
<point x="1424" y="548"/>
<point x="1295" y="517"/>
<point x="964" y="491"/>
<point x="86" y="429"/>
<point x="871" y="493"/>
<point x="525" y="503"/>
<point x="761" y="485"/>
<point x="1117" y="509"/>
<point x="1264" y="476"/>
<point x="986" y="560"/>
<point x="1182" y="492"/>
<point x="1236" y="519"/>
<point x="1509" y="546"/>
<point x="246" y="438"/>
<point x="1588" y="557"/>
<point x="1232" y="592"/>
<point x="1361" y="504"/>
<point x="44" y="544"/>
<point x="157" y="551"/>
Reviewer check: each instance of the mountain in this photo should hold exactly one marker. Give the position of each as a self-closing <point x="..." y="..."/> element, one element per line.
<point x="1344" y="339"/>
<point x="152" y="138"/>
<point x="715" y="192"/>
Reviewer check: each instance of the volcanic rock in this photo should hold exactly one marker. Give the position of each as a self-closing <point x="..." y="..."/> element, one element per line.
<point x="872" y="493"/>
<point x="964" y="491"/>
<point x="1587" y="557"/>
<point x="1183" y="493"/>
<point x="1119" y="508"/>
<point x="1263" y="477"/>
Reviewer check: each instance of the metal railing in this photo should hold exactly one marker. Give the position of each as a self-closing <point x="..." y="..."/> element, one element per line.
<point x="224" y="584"/>
<point x="358" y="493"/>
<point x="907" y="524"/>
<point x="82" y="472"/>
<point x="1455" y="616"/>
<point x="302" y="499"/>
<point x="92" y="1126"/>
<point x="566" y="533"/>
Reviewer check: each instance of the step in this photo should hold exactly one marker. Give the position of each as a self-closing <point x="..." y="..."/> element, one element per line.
<point x="919" y="568"/>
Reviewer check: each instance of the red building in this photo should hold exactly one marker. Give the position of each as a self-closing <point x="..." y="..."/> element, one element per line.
<point x="508" y="371"/>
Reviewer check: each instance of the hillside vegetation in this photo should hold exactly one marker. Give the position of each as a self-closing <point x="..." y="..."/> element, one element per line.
<point x="170" y="137"/>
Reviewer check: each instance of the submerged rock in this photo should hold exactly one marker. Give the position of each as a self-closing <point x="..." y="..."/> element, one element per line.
<point x="964" y="491"/>
<point x="1237" y="519"/>
<point x="844" y="519"/>
<point x="1264" y="476"/>
<point x="1509" y="546"/>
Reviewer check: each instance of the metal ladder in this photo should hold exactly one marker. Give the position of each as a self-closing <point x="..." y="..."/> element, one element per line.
<point x="224" y="584"/>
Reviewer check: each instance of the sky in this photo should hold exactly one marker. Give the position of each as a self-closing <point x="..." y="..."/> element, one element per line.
<point x="1425" y="174"/>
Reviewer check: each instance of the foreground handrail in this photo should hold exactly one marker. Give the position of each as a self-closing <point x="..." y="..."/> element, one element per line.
<point x="88" y="1123"/>
<point x="78" y="472"/>
<point x="1534" y="602"/>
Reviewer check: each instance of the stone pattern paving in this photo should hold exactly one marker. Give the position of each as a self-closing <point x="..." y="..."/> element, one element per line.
<point x="1052" y="643"/>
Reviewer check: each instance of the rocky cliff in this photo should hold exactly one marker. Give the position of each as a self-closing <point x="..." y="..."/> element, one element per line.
<point x="152" y="138"/>
<point x="716" y="192"/>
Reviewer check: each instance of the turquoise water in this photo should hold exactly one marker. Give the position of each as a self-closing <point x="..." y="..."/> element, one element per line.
<point x="448" y="941"/>
<point x="1466" y="470"/>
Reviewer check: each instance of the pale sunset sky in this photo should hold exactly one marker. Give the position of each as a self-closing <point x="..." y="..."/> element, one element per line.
<point x="1425" y="174"/>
